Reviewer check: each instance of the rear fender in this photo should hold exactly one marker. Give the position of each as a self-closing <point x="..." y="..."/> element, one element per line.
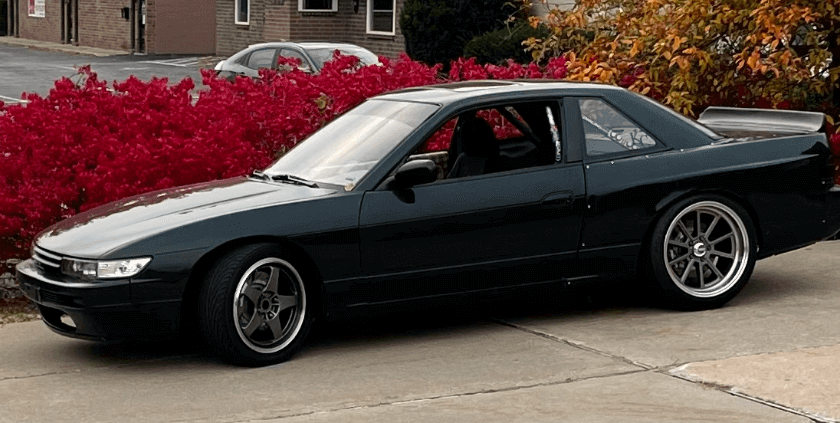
<point x="676" y="196"/>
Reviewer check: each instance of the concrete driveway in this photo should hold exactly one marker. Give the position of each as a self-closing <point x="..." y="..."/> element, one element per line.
<point x="771" y="355"/>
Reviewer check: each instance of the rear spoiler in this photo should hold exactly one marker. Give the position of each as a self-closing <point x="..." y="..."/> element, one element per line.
<point x="765" y="119"/>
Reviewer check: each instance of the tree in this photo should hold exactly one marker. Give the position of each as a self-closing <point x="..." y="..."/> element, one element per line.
<point x="436" y="31"/>
<point x="694" y="53"/>
<point x="498" y="46"/>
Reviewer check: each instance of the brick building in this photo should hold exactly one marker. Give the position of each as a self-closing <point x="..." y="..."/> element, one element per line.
<point x="148" y="26"/>
<point x="373" y="24"/>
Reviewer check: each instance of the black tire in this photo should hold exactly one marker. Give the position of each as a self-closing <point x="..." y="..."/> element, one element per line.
<point x="244" y="317"/>
<point x="698" y="269"/>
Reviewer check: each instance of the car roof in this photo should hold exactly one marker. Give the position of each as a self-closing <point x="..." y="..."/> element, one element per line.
<point x="304" y="44"/>
<point x="318" y="44"/>
<point x="457" y="91"/>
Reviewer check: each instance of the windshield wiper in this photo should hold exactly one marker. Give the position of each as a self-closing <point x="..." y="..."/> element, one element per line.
<point x="295" y="180"/>
<point x="258" y="174"/>
<point x="285" y="178"/>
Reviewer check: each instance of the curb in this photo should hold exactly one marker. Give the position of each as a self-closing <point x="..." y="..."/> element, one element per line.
<point x="60" y="48"/>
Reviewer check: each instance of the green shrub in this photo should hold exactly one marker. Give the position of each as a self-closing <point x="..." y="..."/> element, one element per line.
<point x="436" y="31"/>
<point x="497" y="46"/>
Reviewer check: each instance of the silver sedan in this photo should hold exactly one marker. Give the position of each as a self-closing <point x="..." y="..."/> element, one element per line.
<point x="312" y="56"/>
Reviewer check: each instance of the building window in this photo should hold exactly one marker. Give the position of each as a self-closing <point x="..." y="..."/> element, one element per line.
<point x="317" y="5"/>
<point x="243" y="12"/>
<point x="381" y="16"/>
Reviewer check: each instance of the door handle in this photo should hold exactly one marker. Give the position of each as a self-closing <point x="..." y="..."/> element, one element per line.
<point x="563" y="198"/>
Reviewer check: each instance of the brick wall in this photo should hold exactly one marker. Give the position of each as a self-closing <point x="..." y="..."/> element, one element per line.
<point x="101" y="24"/>
<point x="232" y="37"/>
<point x="277" y="23"/>
<point x="172" y="26"/>
<point x="347" y="26"/>
<point x="273" y="21"/>
<point x="47" y="28"/>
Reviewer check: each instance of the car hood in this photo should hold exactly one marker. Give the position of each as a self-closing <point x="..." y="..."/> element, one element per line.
<point x="94" y="233"/>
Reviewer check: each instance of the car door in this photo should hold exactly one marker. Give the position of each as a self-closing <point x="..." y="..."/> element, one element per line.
<point x="501" y="229"/>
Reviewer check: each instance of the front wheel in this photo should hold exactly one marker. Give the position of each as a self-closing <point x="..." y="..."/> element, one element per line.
<point x="254" y="308"/>
<point x="702" y="252"/>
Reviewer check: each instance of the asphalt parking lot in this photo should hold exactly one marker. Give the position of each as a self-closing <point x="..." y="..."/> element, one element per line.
<point x="34" y="71"/>
<point x="593" y="355"/>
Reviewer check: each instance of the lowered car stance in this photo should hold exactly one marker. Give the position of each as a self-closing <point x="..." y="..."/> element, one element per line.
<point x="437" y="192"/>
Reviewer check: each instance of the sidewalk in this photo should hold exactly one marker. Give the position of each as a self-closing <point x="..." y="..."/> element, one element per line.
<point x="803" y="380"/>
<point x="62" y="48"/>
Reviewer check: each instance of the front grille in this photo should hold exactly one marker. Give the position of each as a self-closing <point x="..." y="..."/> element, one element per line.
<point x="48" y="261"/>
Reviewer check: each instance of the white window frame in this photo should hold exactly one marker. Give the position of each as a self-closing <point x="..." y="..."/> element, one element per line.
<point x="370" y="19"/>
<point x="333" y="9"/>
<point x="236" y="4"/>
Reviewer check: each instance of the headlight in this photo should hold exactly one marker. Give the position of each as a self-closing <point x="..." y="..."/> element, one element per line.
<point x="219" y="65"/>
<point x="110" y="269"/>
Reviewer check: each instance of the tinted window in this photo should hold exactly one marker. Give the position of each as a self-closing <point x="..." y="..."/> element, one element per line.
<point x="699" y="126"/>
<point x="609" y="131"/>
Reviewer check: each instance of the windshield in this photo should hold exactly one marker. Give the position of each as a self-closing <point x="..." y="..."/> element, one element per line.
<point x="346" y="149"/>
<point x="323" y="55"/>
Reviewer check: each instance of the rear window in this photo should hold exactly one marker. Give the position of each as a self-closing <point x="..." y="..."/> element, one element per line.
<point x="700" y="127"/>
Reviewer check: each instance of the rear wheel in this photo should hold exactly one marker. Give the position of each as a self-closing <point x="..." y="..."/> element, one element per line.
<point x="254" y="308"/>
<point x="702" y="252"/>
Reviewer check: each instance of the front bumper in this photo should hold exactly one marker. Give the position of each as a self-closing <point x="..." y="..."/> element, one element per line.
<point x="100" y="311"/>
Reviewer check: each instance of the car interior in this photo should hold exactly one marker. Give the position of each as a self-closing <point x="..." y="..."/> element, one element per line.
<point x="608" y="131"/>
<point x="492" y="140"/>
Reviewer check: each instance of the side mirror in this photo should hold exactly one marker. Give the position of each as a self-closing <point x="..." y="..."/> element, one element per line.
<point x="415" y="172"/>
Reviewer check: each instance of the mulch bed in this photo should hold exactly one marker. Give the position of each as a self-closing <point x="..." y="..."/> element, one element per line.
<point x="13" y="310"/>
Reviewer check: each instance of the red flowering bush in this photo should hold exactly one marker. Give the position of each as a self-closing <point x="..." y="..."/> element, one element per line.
<point x="88" y="143"/>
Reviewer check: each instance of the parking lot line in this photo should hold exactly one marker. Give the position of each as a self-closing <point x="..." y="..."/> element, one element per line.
<point x="72" y="68"/>
<point x="182" y="62"/>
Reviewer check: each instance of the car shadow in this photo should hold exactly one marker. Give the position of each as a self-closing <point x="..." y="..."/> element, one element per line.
<point x="469" y="311"/>
<point x="464" y="315"/>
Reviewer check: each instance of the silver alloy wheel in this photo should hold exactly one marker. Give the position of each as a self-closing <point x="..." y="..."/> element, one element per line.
<point x="706" y="249"/>
<point x="269" y="305"/>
